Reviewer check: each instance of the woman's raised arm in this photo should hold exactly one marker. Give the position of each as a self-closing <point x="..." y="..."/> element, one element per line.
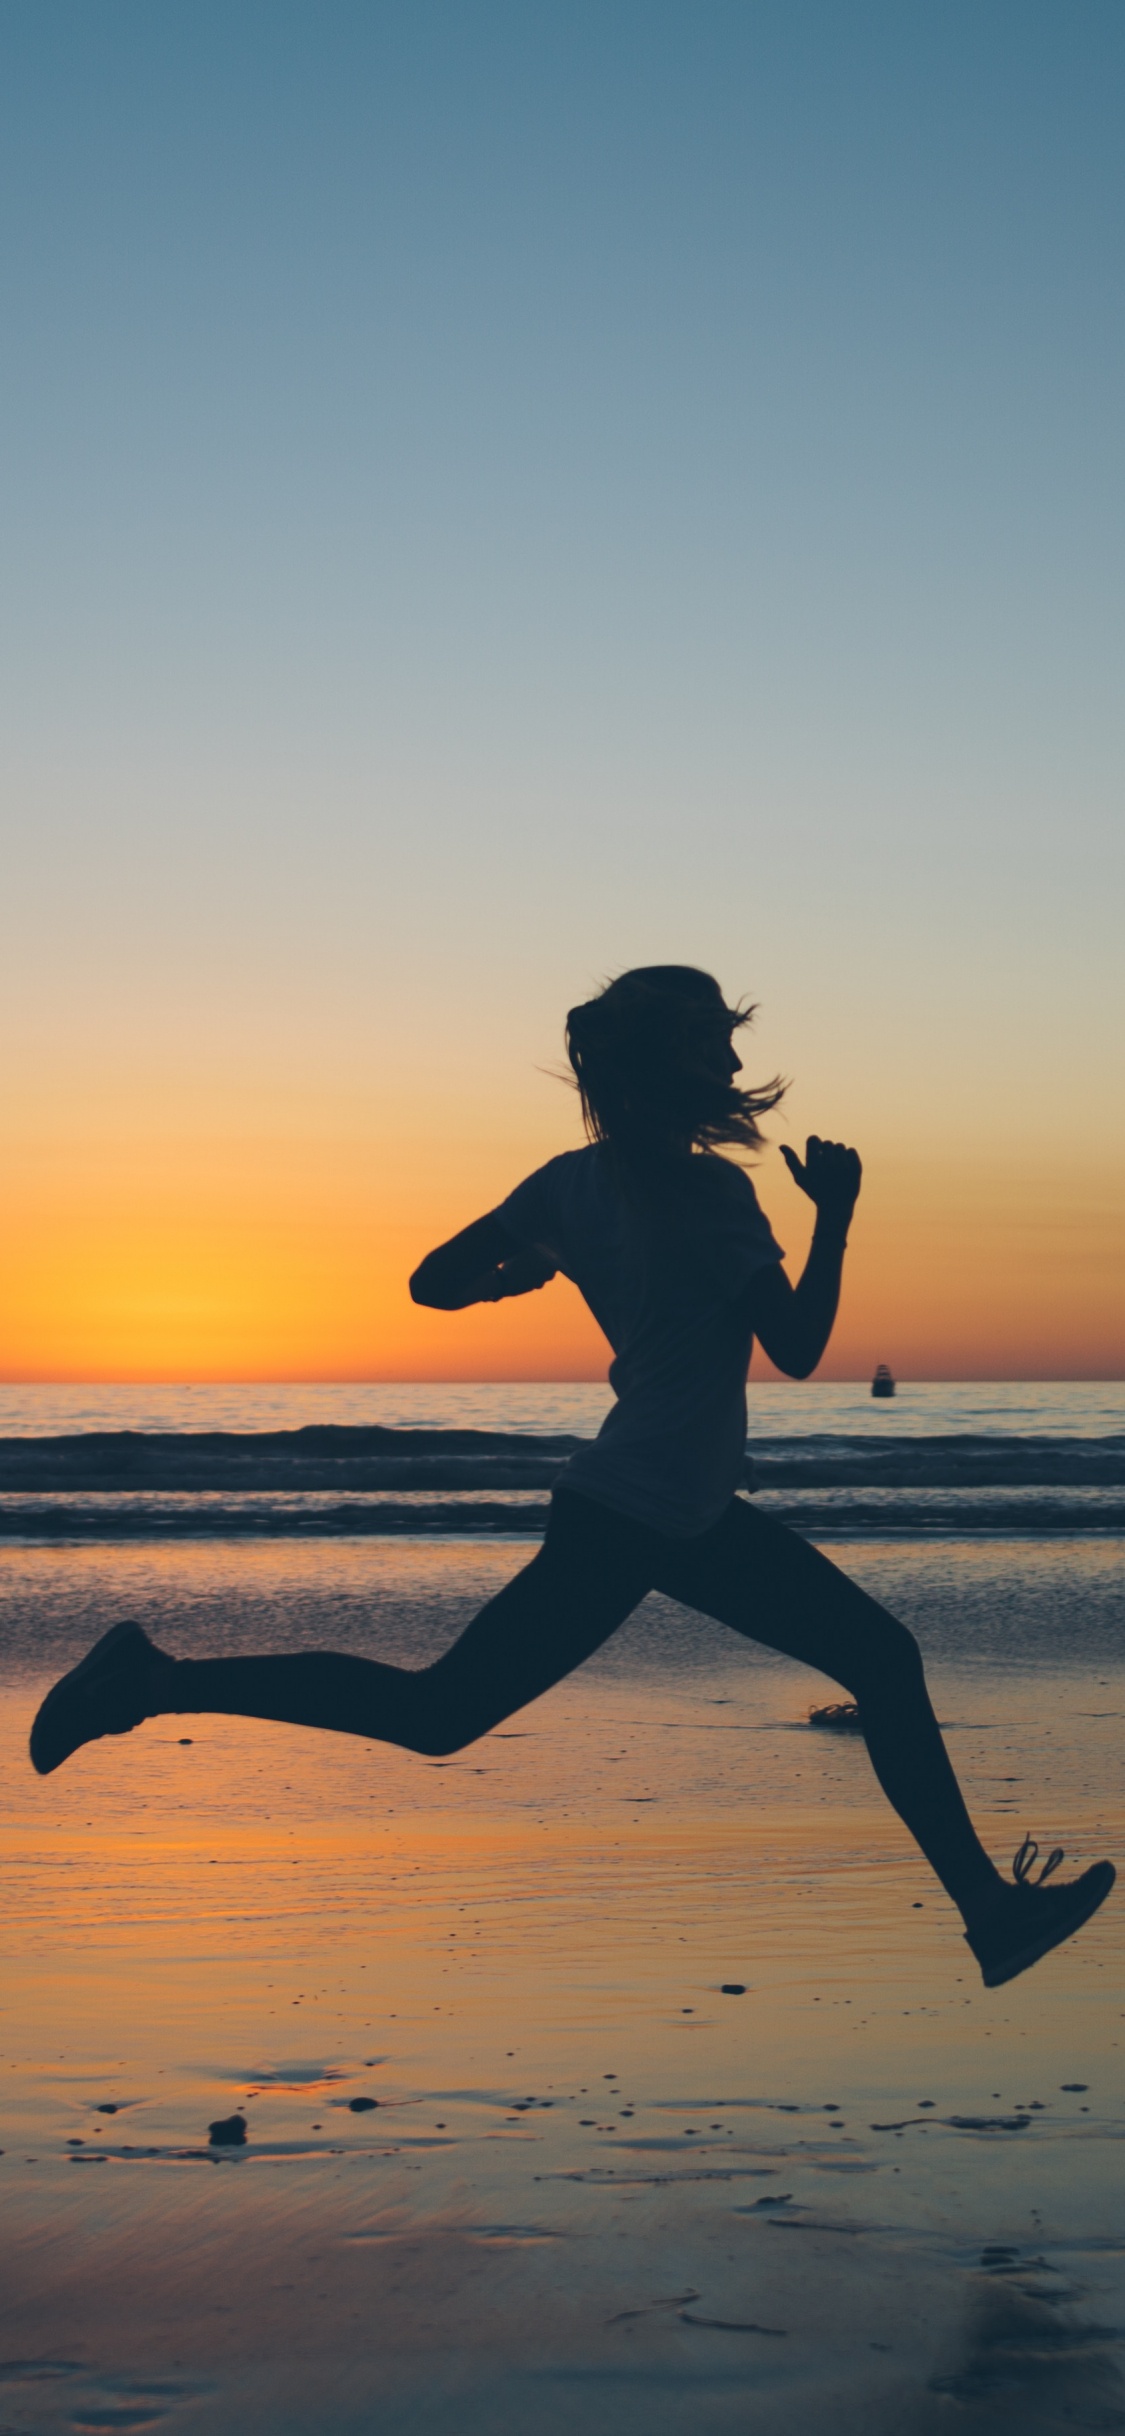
<point x="793" y="1323"/>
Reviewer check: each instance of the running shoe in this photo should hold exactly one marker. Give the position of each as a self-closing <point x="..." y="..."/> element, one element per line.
<point x="109" y="1693"/>
<point x="1029" y="1918"/>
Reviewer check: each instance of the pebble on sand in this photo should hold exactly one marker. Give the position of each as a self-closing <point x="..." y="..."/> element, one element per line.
<point x="362" y="2106"/>
<point x="229" y="2132"/>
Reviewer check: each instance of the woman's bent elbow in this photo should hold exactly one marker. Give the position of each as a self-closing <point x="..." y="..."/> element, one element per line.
<point x="797" y="1362"/>
<point x="421" y="1291"/>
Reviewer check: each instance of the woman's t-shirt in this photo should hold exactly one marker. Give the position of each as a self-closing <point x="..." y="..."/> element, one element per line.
<point x="668" y="1285"/>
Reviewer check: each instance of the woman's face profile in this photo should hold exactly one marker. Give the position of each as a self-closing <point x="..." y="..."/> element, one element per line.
<point x="715" y="1050"/>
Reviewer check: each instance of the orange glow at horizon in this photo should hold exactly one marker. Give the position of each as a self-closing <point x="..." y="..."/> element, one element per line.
<point x="259" y="1274"/>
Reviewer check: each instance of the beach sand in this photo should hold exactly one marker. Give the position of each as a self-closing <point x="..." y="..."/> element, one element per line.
<point x="594" y="2191"/>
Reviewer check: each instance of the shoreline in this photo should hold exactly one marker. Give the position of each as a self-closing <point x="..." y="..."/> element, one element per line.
<point x="63" y="1524"/>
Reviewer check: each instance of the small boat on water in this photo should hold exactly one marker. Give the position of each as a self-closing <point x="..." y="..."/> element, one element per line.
<point x="883" y="1382"/>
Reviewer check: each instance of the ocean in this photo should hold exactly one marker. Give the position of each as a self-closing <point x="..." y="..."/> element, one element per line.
<point x="790" y="1409"/>
<point x="254" y="1461"/>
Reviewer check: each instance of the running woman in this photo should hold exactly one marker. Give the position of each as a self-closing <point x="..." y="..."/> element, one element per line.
<point x="665" y="1240"/>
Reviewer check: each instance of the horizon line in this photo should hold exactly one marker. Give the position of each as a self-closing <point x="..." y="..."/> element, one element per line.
<point x="949" y="1378"/>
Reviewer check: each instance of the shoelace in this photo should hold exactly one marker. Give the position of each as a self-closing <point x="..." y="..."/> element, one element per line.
<point x="1025" y="1861"/>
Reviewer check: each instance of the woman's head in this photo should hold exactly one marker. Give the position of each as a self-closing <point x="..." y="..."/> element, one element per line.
<point x="654" y="1061"/>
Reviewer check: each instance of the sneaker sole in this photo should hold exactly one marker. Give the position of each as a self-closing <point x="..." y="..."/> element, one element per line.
<point x="1095" y="1886"/>
<point x="40" y="1746"/>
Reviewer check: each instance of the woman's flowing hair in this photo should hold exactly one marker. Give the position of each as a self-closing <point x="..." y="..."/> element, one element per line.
<point x="643" y="1057"/>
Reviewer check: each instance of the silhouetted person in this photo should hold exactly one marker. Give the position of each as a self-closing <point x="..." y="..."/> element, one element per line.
<point x="666" y="1241"/>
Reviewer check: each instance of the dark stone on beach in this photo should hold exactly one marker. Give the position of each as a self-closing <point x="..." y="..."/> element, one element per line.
<point x="1006" y="2123"/>
<point x="108" y="2106"/>
<point x="732" y="1987"/>
<point x="229" y="2133"/>
<point x="1075" y="2085"/>
<point x="839" y="1717"/>
<point x="731" y="2325"/>
<point x="362" y="2106"/>
<point x="186" y="1741"/>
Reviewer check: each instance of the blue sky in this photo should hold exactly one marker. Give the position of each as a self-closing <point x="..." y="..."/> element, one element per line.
<point x="499" y="493"/>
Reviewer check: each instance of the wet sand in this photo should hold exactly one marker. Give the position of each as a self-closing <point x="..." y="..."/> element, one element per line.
<point x="594" y="2189"/>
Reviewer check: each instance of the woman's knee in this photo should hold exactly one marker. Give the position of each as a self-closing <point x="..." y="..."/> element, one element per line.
<point x="438" y="1741"/>
<point x="440" y="1738"/>
<point x="886" y="1655"/>
<point x="439" y="1724"/>
<point x="434" y="1733"/>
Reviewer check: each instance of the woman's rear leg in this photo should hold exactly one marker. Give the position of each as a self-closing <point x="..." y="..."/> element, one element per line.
<point x="590" y="1572"/>
<point x="764" y="1581"/>
<point x="544" y="1623"/>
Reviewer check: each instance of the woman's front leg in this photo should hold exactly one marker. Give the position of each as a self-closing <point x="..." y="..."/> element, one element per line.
<point x="771" y="1585"/>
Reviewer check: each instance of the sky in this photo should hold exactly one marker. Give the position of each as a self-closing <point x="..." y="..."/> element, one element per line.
<point x="500" y="493"/>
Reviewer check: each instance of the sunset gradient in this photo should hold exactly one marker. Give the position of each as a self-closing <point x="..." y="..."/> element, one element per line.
<point x="504" y="495"/>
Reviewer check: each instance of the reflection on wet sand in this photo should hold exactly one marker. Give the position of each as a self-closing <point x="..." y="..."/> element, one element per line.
<point x="516" y="2154"/>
